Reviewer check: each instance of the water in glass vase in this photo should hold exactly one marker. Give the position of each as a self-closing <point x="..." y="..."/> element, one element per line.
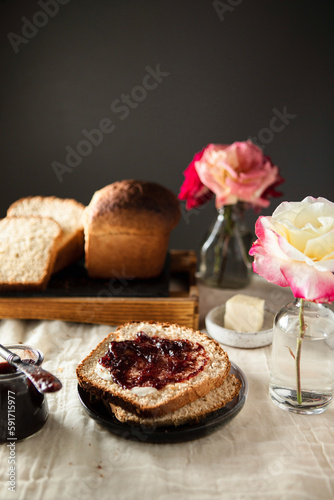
<point x="316" y="362"/>
<point x="224" y="259"/>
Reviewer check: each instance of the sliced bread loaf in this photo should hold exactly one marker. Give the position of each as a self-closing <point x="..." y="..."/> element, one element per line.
<point x="67" y="212"/>
<point x="28" y="249"/>
<point x="206" y="369"/>
<point x="195" y="411"/>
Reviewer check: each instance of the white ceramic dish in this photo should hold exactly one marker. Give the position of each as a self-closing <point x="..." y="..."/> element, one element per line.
<point x="214" y="323"/>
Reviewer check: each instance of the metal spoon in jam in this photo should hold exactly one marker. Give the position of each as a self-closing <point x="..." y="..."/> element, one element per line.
<point x="43" y="380"/>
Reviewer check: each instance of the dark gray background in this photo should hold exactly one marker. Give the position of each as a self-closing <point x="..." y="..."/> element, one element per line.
<point x="226" y="75"/>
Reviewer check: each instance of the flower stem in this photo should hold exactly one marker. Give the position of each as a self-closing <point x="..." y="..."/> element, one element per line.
<point x="299" y="347"/>
<point x="226" y="241"/>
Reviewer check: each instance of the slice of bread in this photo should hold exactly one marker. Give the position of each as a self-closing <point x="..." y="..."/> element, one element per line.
<point x="28" y="249"/>
<point x="67" y="212"/>
<point x="155" y="402"/>
<point x="192" y="412"/>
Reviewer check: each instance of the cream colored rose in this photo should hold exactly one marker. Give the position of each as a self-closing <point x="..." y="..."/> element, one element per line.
<point x="295" y="248"/>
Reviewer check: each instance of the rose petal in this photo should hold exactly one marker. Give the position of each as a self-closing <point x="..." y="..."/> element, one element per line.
<point x="325" y="264"/>
<point x="308" y="283"/>
<point x="269" y="269"/>
<point x="267" y="253"/>
<point x="292" y="253"/>
<point x="193" y="190"/>
<point x="319" y="248"/>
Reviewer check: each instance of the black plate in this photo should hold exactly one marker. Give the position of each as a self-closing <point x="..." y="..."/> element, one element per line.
<point x="168" y="434"/>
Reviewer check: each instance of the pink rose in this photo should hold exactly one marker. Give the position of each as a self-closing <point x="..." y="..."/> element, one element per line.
<point x="238" y="172"/>
<point x="192" y="189"/>
<point x="295" y="247"/>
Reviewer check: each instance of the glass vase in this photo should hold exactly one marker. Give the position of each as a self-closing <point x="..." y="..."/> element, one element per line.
<point x="224" y="259"/>
<point x="302" y="359"/>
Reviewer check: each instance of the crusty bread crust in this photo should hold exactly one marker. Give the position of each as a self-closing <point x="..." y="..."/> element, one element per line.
<point x="172" y="396"/>
<point x="28" y="250"/>
<point x="133" y="205"/>
<point x="192" y="412"/>
<point x="67" y="212"/>
<point x="127" y="226"/>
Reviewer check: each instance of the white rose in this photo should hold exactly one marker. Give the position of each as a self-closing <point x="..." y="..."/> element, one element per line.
<point x="295" y="248"/>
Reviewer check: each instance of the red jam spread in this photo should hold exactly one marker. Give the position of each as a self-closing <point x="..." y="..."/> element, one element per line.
<point x="23" y="410"/>
<point x="6" y="368"/>
<point x="153" y="361"/>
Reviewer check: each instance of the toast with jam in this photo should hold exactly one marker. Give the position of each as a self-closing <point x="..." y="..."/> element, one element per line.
<point x="149" y="370"/>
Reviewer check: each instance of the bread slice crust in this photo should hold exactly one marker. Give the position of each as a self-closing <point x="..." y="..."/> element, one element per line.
<point x="190" y="413"/>
<point x="172" y="396"/>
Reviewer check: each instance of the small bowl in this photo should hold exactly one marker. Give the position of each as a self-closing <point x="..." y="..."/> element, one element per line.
<point x="214" y="323"/>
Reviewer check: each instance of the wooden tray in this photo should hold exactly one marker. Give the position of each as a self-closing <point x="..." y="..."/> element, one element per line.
<point x="180" y="306"/>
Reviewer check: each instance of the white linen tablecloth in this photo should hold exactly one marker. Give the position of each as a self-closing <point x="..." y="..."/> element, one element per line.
<point x="263" y="453"/>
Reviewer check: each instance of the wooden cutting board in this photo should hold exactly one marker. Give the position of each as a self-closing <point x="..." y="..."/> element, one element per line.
<point x="72" y="296"/>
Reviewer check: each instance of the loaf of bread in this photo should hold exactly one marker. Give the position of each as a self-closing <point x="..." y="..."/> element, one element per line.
<point x="28" y="250"/>
<point x="192" y="412"/>
<point x="67" y="212"/>
<point x="127" y="227"/>
<point x="207" y="366"/>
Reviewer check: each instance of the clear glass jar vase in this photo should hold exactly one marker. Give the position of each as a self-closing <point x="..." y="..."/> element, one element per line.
<point x="302" y="359"/>
<point x="224" y="259"/>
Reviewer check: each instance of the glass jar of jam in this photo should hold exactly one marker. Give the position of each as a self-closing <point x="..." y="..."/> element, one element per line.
<point x="23" y="410"/>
